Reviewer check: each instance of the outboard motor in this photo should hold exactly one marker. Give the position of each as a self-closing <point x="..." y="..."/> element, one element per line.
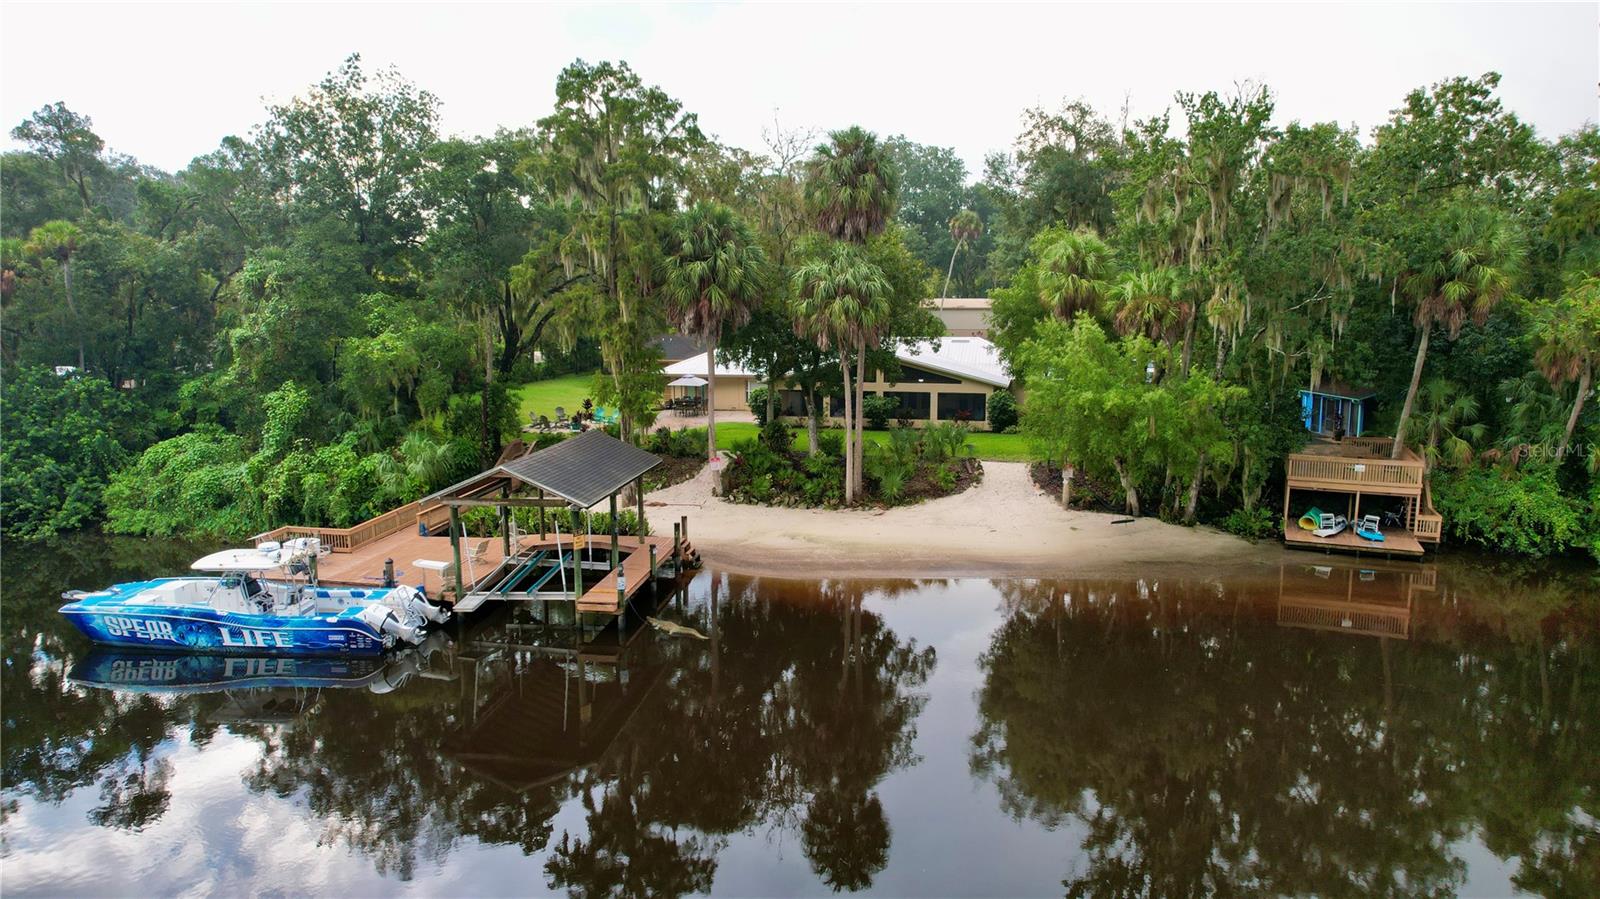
<point x="410" y="602"/>
<point x="387" y="621"/>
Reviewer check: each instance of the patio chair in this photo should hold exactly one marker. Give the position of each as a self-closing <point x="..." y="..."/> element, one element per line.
<point x="561" y="415"/>
<point x="1368" y="529"/>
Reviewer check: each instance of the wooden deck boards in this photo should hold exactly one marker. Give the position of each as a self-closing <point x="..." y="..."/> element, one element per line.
<point x="364" y="566"/>
<point x="1395" y="543"/>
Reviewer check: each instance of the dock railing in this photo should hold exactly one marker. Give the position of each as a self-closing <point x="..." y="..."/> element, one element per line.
<point x="343" y="540"/>
<point x="1345" y="473"/>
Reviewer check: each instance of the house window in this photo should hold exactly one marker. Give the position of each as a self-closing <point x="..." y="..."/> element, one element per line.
<point x="836" y="406"/>
<point x="793" y="402"/>
<point x="913" y="406"/>
<point x="963" y="406"/>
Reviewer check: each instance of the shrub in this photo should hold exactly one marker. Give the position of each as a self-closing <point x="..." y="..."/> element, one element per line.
<point x="758" y="405"/>
<point x="831" y="443"/>
<point x="1002" y="411"/>
<point x="60" y="440"/>
<point x="892" y="464"/>
<point x="688" y="443"/>
<point x="945" y="440"/>
<point x="777" y="436"/>
<point x="877" y="409"/>
<point x="195" y="483"/>
<point x="1522" y="512"/>
<point x="1254" y="524"/>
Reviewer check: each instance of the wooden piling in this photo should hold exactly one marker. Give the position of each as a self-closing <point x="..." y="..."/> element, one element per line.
<point x="640" y="525"/>
<point x="455" y="548"/>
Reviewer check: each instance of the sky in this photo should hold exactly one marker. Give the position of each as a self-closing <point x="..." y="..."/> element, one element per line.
<point x="165" y="82"/>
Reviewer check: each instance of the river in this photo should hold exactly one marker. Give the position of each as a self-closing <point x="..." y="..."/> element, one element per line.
<point x="1311" y="727"/>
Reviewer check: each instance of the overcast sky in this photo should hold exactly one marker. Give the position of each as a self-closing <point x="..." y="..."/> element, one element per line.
<point x="165" y="82"/>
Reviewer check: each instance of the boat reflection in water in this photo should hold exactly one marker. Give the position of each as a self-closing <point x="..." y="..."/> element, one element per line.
<point x="261" y="689"/>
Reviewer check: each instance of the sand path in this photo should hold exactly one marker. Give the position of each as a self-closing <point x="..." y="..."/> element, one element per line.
<point x="1003" y="526"/>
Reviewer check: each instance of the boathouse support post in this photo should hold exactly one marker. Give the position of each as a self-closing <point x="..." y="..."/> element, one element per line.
<point x="455" y="548"/>
<point x="505" y="524"/>
<point x="677" y="544"/>
<point x="614" y="532"/>
<point x="577" y="555"/>
<point x="652" y="562"/>
<point x="640" y="525"/>
<point x="542" y="527"/>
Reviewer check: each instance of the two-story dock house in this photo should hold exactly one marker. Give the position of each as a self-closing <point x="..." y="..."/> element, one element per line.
<point x="1356" y="477"/>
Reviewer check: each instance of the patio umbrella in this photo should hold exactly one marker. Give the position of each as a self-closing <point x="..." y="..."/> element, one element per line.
<point x="689" y="381"/>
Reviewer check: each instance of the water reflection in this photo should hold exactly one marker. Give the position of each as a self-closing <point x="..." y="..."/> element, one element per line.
<point x="1328" y="729"/>
<point x="1204" y="749"/>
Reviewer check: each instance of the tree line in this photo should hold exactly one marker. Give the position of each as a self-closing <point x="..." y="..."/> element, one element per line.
<point x="321" y="318"/>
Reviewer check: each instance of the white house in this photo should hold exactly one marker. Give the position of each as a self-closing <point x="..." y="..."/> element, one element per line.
<point x="950" y="382"/>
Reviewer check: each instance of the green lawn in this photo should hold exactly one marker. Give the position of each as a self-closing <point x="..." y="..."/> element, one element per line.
<point x="999" y="447"/>
<point x="542" y="397"/>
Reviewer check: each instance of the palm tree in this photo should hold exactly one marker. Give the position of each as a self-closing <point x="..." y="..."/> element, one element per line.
<point x="1074" y="269"/>
<point x="840" y="299"/>
<point x="851" y="186"/>
<point x="712" y="277"/>
<point x="1568" y="346"/>
<point x="58" y="240"/>
<point x="850" y="191"/>
<point x="1471" y="269"/>
<point x="1147" y="302"/>
<point x="965" y="227"/>
<point x="1446" y="425"/>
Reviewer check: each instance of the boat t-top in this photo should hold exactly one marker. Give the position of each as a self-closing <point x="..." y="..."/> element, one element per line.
<point x="235" y="608"/>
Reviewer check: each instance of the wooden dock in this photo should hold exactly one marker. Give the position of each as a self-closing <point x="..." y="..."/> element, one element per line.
<point x="482" y="561"/>
<point x="599" y="573"/>
<point x="600" y="595"/>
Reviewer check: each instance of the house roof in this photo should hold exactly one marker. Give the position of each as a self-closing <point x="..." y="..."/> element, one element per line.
<point x="1335" y="388"/>
<point x="971" y="358"/>
<point x="958" y="303"/>
<point x="677" y="347"/>
<point x="582" y="470"/>
<point x="696" y="365"/>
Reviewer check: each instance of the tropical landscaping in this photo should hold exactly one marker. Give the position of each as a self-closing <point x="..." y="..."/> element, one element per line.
<point x="344" y="309"/>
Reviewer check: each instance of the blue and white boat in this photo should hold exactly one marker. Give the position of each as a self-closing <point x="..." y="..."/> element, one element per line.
<point x="235" y="611"/>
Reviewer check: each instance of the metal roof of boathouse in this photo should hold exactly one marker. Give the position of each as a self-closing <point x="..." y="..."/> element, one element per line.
<point x="583" y="470"/>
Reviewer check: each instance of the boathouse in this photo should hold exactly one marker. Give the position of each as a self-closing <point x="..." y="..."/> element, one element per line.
<point x="427" y="543"/>
<point x="1356" y="477"/>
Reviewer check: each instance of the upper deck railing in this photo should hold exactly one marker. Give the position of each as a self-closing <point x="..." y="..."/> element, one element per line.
<point x="343" y="540"/>
<point x="1356" y="463"/>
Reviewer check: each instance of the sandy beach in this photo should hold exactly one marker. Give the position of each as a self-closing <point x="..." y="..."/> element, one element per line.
<point x="1003" y="526"/>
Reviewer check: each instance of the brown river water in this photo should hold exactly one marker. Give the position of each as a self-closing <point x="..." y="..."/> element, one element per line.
<point x="1311" y="727"/>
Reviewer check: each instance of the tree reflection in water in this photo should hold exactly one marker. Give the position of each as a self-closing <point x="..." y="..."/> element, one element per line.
<point x="1202" y="737"/>
<point x="1206" y="751"/>
<point x="786" y="719"/>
